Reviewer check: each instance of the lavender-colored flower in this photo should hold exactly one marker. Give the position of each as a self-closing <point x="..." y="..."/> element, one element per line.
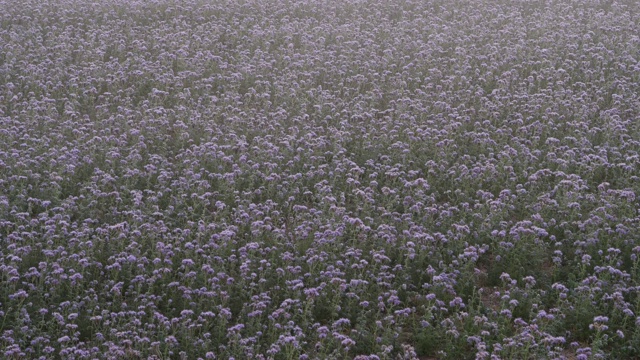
<point x="64" y="339"/>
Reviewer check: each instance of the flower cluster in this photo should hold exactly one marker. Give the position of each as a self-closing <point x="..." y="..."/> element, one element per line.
<point x="319" y="179"/>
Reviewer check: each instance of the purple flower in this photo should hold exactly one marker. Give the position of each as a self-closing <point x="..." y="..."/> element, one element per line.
<point x="600" y="319"/>
<point x="64" y="339"/>
<point x="340" y="322"/>
<point x="188" y="262"/>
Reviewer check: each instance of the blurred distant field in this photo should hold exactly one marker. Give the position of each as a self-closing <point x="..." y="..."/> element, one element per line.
<point x="324" y="179"/>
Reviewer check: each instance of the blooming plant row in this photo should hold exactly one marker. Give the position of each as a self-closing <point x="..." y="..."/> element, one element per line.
<point x="326" y="179"/>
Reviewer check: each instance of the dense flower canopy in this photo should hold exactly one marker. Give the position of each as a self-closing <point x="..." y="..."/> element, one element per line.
<point x="327" y="179"/>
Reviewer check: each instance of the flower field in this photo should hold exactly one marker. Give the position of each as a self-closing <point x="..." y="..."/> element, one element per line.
<point x="328" y="179"/>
